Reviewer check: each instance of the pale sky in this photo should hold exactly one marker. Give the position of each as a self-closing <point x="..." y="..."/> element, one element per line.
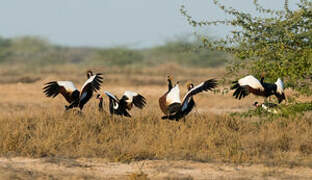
<point x="103" y="23"/>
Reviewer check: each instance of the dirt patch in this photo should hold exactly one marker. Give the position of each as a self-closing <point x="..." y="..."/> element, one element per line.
<point x="59" y="168"/>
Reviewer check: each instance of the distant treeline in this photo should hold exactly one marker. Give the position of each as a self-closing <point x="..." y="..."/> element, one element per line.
<point x="38" y="52"/>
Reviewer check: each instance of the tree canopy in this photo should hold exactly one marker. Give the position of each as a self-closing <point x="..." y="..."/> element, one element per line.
<point x="278" y="44"/>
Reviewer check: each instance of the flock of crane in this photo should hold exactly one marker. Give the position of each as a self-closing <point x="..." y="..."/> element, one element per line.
<point x="170" y="103"/>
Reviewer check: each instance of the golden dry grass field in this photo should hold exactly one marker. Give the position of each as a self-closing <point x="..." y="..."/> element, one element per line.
<point x="39" y="140"/>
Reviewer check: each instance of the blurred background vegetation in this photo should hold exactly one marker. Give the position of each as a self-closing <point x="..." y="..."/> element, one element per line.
<point x="37" y="52"/>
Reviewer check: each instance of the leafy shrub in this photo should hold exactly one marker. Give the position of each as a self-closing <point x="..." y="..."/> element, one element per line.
<point x="278" y="44"/>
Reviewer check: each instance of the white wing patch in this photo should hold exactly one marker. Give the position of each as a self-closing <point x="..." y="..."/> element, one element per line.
<point x="174" y="95"/>
<point x="251" y="81"/>
<point x="111" y="95"/>
<point x="115" y="105"/>
<point x="280" y="86"/>
<point x="88" y="81"/>
<point x="130" y="95"/>
<point x="68" y="85"/>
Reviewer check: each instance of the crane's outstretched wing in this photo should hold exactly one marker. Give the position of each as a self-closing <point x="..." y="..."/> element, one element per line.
<point x="246" y="85"/>
<point x="280" y="90"/>
<point x="53" y="88"/>
<point x="93" y="84"/>
<point x="135" y="98"/>
<point x="111" y="96"/>
<point x="280" y="86"/>
<point x="204" y="86"/>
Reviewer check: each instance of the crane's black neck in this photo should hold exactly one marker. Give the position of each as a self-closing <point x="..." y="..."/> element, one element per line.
<point x="169" y="85"/>
<point x="89" y="74"/>
<point x="262" y="80"/>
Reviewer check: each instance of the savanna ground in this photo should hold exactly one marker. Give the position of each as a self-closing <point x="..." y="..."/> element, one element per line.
<point x="39" y="140"/>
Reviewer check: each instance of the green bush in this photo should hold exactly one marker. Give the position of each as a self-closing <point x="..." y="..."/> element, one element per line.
<point x="278" y="44"/>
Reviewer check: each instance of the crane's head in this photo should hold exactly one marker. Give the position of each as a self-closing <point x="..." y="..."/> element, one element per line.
<point x="99" y="97"/>
<point x="189" y="86"/>
<point x="89" y="73"/>
<point x="169" y="78"/>
<point x="256" y="104"/>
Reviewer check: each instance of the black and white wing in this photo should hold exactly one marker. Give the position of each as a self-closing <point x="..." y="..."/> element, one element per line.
<point x="113" y="99"/>
<point x="66" y="88"/>
<point x="280" y="90"/>
<point x="111" y="96"/>
<point x="246" y="85"/>
<point x="280" y="86"/>
<point x="135" y="98"/>
<point x="93" y="84"/>
<point x="204" y="86"/>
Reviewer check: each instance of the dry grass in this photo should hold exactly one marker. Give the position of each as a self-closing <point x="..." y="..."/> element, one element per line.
<point x="203" y="137"/>
<point x="35" y="126"/>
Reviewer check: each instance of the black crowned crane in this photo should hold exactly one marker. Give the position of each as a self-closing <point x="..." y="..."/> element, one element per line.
<point x="123" y="105"/>
<point x="250" y="84"/>
<point x="73" y="96"/>
<point x="167" y="98"/>
<point x="180" y="110"/>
